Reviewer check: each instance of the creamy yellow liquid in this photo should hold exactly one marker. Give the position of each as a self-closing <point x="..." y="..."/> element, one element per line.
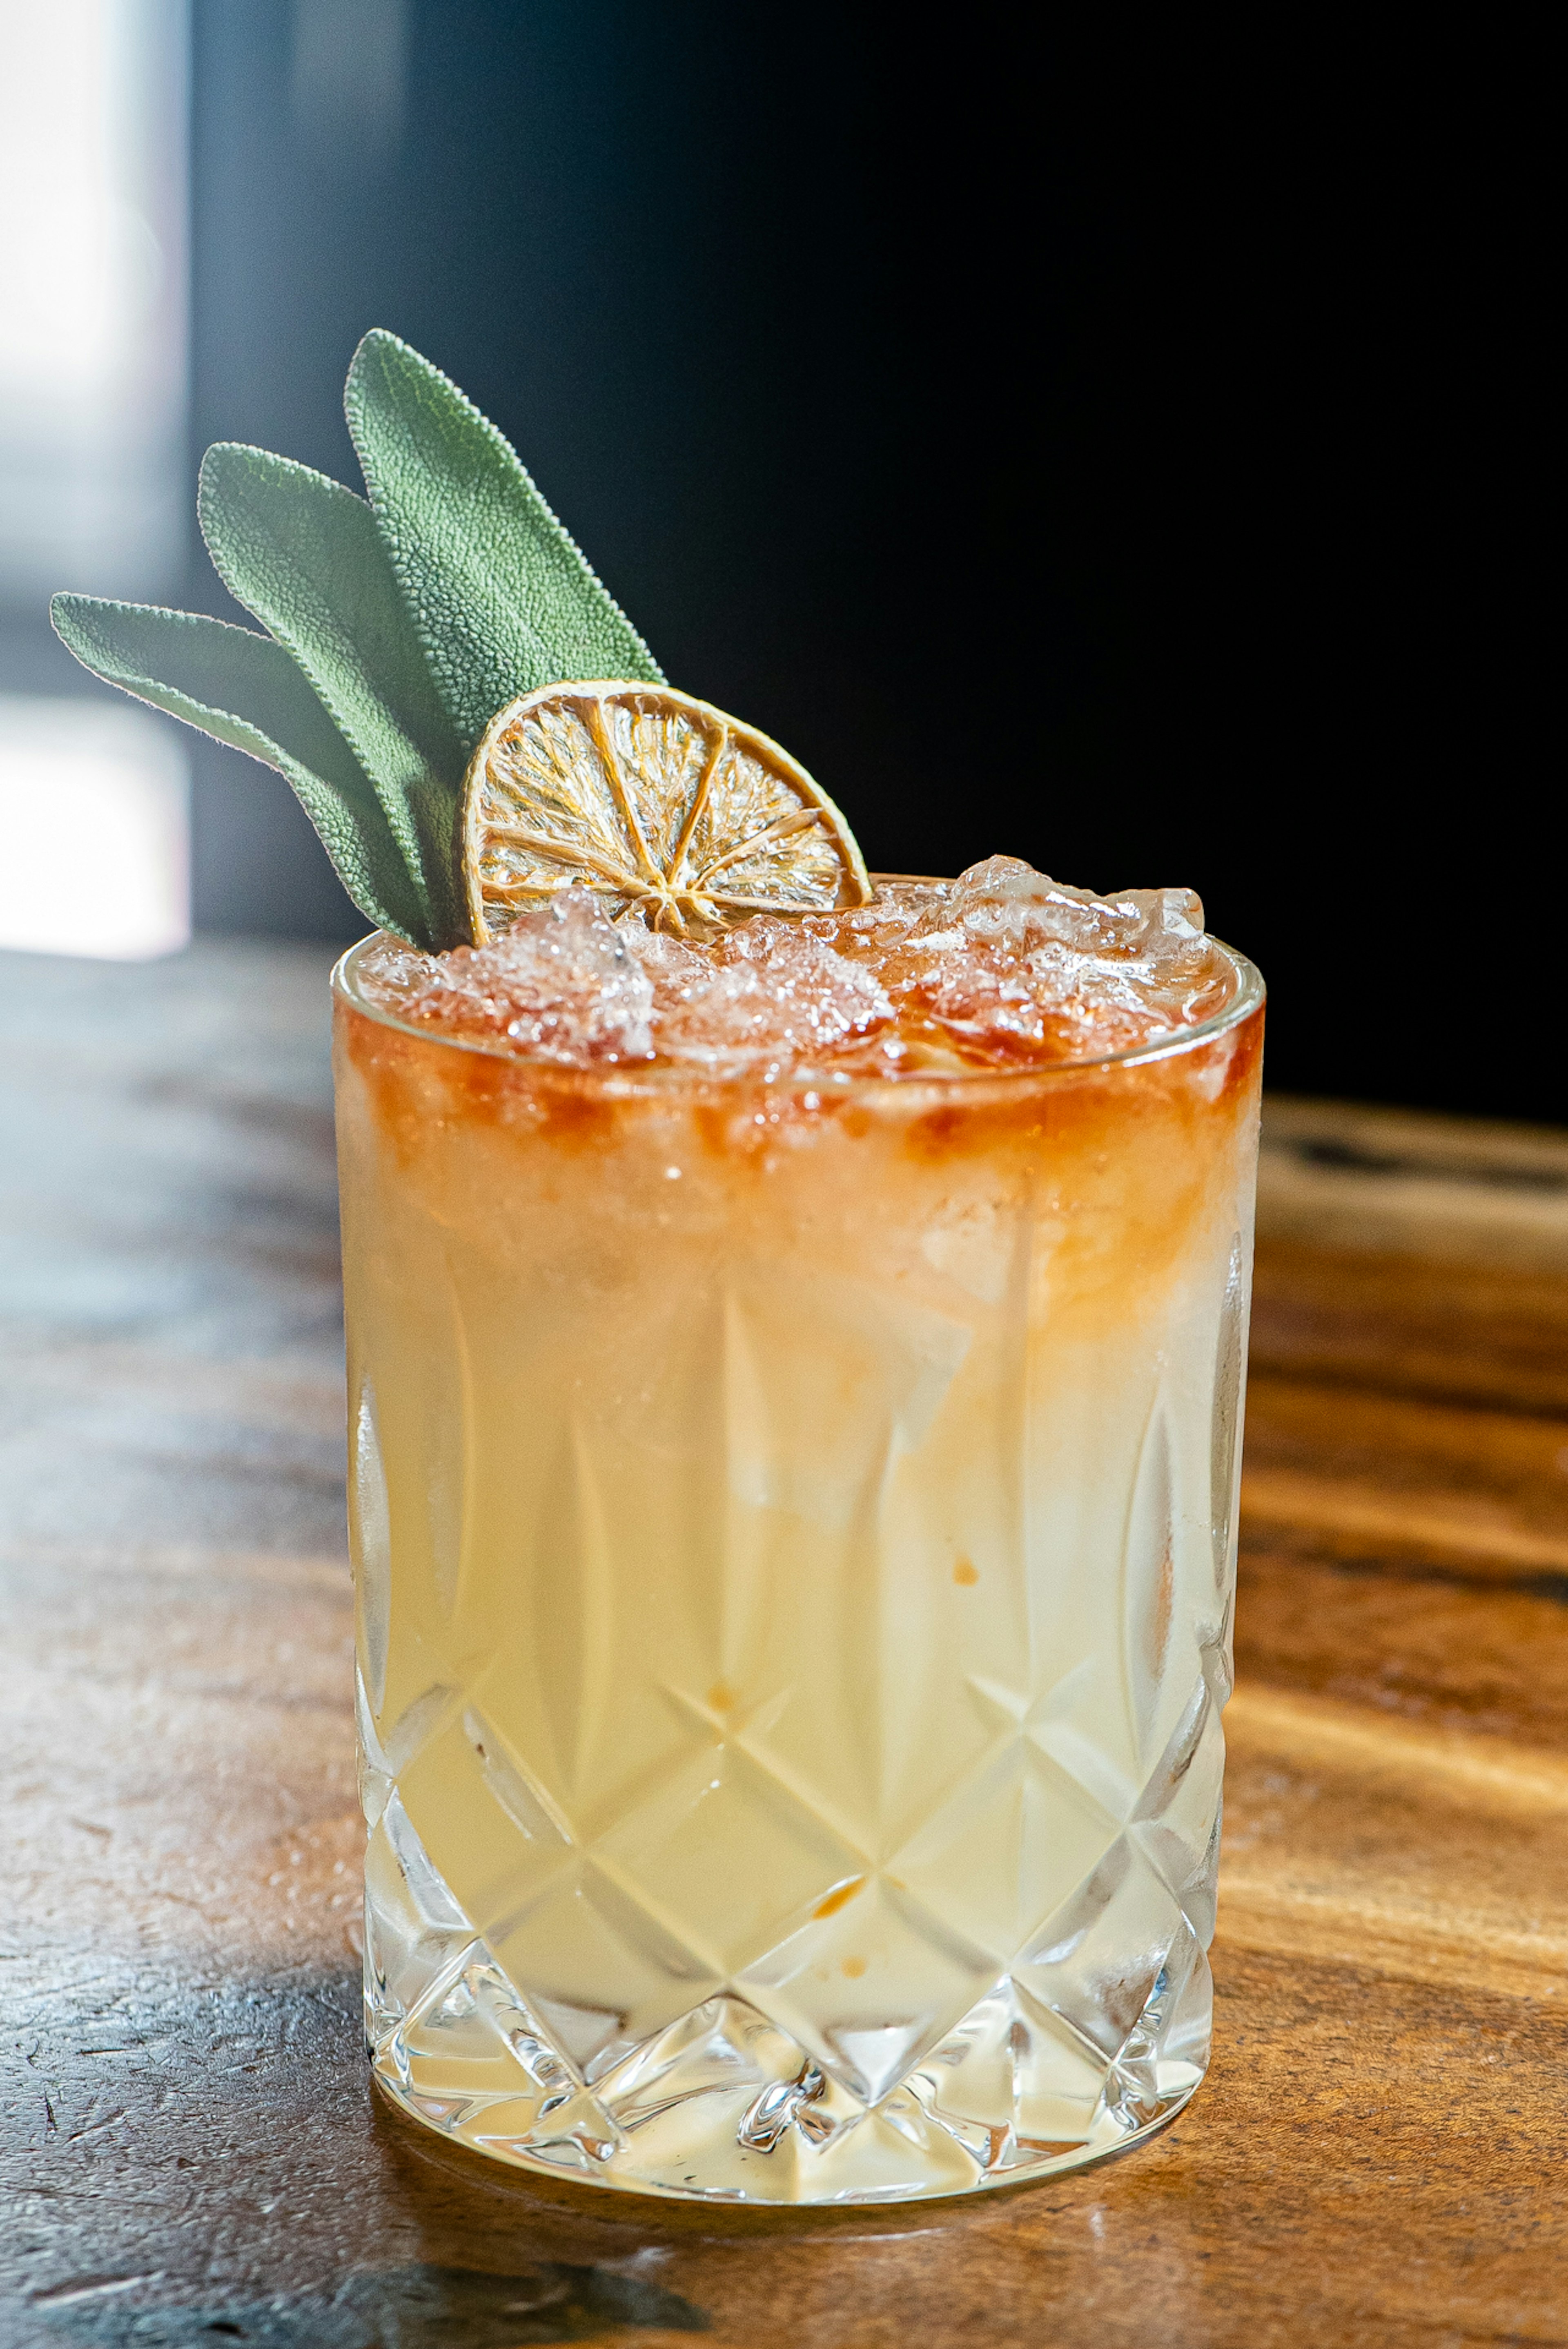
<point x="792" y="1529"/>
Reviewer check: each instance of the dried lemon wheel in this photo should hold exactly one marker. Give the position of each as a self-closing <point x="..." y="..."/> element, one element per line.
<point x="653" y="800"/>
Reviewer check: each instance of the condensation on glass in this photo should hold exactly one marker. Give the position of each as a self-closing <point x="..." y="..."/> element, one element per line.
<point x="794" y="1539"/>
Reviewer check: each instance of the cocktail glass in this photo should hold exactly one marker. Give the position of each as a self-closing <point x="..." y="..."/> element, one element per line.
<point x="793" y="1529"/>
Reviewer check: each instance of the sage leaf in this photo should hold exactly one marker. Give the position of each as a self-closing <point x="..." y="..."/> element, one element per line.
<point x="502" y="598"/>
<point x="304" y="555"/>
<point x="246" y="691"/>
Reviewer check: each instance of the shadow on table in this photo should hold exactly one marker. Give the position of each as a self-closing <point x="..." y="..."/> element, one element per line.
<point x="419" y="2307"/>
<point x="572" y="2256"/>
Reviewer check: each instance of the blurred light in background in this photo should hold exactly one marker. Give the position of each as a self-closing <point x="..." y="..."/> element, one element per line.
<point x="95" y="824"/>
<point x="94" y="494"/>
<point x="92" y="295"/>
<point x="348" y="67"/>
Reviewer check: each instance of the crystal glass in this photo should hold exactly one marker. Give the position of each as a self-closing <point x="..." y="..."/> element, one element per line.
<point x="793" y="1533"/>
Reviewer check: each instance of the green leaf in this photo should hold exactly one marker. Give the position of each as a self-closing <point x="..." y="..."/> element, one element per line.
<point x="246" y="691"/>
<point x="501" y="597"/>
<point x="304" y="555"/>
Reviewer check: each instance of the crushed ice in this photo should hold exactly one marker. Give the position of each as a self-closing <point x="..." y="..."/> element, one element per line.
<point x="560" y="986"/>
<point x="768" y="991"/>
<point x="1010" y="957"/>
<point x="1002" y="966"/>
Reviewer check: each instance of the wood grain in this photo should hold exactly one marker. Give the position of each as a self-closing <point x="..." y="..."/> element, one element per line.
<point x="189" y="2138"/>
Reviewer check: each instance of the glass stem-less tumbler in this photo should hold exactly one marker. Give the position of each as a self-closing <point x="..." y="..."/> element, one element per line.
<point x="793" y="1527"/>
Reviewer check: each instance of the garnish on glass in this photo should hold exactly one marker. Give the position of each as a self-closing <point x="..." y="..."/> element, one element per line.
<point x="465" y="714"/>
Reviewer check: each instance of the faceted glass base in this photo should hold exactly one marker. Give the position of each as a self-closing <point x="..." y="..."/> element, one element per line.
<point x="723" y="2103"/>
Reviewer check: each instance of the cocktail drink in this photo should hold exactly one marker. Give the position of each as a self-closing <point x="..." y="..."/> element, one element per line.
<point x="793" y="1526"/>
<point x="796" y="1330"/>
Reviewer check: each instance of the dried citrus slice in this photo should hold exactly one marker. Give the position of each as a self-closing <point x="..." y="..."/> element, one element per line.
<point x="653" y="800"/>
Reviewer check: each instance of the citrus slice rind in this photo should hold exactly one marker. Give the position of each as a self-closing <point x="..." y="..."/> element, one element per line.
<point x="653" y="800"/>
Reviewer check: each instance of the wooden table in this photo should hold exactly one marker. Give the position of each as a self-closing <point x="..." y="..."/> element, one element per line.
<point x="192" y="2153"/>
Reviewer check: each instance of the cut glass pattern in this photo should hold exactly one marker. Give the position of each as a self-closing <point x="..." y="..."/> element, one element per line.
<point x="796" y="1579"/>
<point x="621" y="2023"/>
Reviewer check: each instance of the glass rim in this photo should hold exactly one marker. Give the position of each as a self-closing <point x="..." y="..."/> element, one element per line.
<point x="676" y="1077"/>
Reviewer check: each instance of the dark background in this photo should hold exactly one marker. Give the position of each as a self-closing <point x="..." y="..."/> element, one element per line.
<point x="1124" y="459"/>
